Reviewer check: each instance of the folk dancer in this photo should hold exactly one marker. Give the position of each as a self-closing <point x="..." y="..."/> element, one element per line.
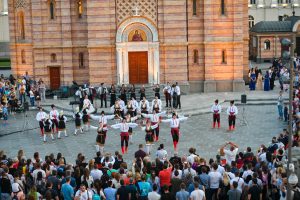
<point x="102" y="129"/>
<point x="130" y="109"/>
<point x="136" y="105"/>
<point x="40" y="117"/>
<point x="112" y="92"/>
<point x="101" y="137"/>
<point x="175" y="126"/>
<point x="155" y="119"/>
<point x="124" y="127"/>
<point x="167" y="93"/>
<point x="62" y="120"/>
<point x="130" y="119"/>
<point x="54" y="118"/>
<point x="48" y="128"/>
<point x="232" y="111"/>
<point x="102" y="90"/>
<point x="85" y="119"/>
<point x="77" y="116"/>
<point x="156" y="105"/>
<point x="216" y="110"/>
<point x="156" y="90"/>
<point x="149" y="137"/>
<point x="117" y="109"/>
<point x="88" y="105"/>
<point x="142" y="92"/>
<point x="144" y="107"/>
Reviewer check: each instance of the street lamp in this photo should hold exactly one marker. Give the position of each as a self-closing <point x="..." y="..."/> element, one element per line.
<point x="288" y="47"/>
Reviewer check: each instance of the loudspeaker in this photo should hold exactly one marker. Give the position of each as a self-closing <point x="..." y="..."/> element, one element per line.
<point x="243" y="98"/>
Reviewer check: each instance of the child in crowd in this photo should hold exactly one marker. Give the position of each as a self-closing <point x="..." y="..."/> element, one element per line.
<point x="31" y="96"/>
<point x="5" y="114"/>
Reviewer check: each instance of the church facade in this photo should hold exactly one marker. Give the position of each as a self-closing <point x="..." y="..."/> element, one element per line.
<point x="201" y="44"/>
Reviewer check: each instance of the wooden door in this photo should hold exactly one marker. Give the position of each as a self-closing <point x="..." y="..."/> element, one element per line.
<point x="54" y="78"/>
<point x="138" y="67"/>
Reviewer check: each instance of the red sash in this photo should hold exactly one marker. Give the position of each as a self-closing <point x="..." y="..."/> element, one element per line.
<point x="124" y="134"/>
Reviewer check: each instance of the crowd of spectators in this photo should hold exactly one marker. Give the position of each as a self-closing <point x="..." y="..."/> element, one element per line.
<point x="232" y="175"/>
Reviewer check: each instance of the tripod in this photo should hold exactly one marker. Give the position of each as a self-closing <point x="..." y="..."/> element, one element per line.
<point x="26" y="124"/>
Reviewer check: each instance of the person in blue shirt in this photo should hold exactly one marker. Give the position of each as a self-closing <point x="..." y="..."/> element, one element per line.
<point x="191" y="187"/>
<point x="110" y="193"/>
<point x="67" y="190"/>
<point x="144" y="188"/>
<point x="182" y="194"/>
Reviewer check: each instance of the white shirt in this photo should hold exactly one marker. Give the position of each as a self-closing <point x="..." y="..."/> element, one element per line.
<point x="197" y="195"/>
<point x="263" y="157"/>
<point x="177" y="90"/>
<point x="41" y="116"/>
<point x="168" y="89"/>
<point x="154" y="117"/>
<point x="179" y="173"/>
<point x="36" y="171"/>
<point x="83" y="195"/>
<point x="102" y="118"/>
<point x="31" y="94"/>
<point x="144" y="103"/>
<point x="54" y="114"/>
<point x="190" y="158"/>
<point x="221" y="169"/>
<point x="214" y="179"/>
<point x="247" y="173"/>
<point x="174" y="123"/>
<point x="162" y="155"/>
<point x="216" y="108"/>
<point x="190" y="170"/>
<point x="230" y="155"/>
<point x="156" y="102"/>
<point x="86" y="103"/>
<point x="122" y="103"/>
<point x="240" y="182"/>
<point x="153" y="196"/>
<point x="96" y="174"/>
<point x="232" y="109"/>
<point x="124" y="127"/>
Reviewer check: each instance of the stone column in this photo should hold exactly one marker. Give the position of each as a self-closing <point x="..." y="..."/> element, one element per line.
<point x="156" y="65"/>
<point x="150" y="66"/>
<point x="125" y="67"/>
<point x="119" y="65"/>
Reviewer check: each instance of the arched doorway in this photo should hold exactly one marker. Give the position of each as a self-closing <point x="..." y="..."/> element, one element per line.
<point x="137" y="52"/>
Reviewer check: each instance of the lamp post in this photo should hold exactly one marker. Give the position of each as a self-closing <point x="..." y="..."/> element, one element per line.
<point x="286" y="54"/>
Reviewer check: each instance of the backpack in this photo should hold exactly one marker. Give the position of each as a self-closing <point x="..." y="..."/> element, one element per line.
<point x="296" y="194"/>
<point x="188" y="178"/>
<point x="96" y="196"/>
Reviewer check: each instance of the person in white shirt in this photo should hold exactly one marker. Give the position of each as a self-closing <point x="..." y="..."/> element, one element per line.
<point x="130" y="119"/>
<point x="36" y="171"/>
<point x="144" y="106"/>
<point x="232" y="111"/>
<point x="231" y="153"/>
<point x="83" y="194"/>
<point x="161" y="153"/>
<point x="54" y="118"/>
<point x="124" y="127"/>
<point x="248" y="172"/>
<point x="155" y="119"/>
<point x="192" y="155"/>
<point x="40" y="117"/>
<point x="96" y="173"/>
<point x="149" y="135"/>
<point x="88" y="105"/>
<point x="216" y="110"/>
<point x="177" y="89"/>
<point x="130" y="108"/>
<point x="239" y="180"/>
<point x="214" y="179"/>
<point x="156" y="105"/>
<point x="118" y="109"/>
<point x="174" y="125"/>
<point x="167" y="93"/>
<point x="197" y="194"/>
<point x="154" y="195"/>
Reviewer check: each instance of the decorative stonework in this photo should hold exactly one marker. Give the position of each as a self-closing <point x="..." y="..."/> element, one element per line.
<point x="21" y="4"/>
<point x="128" y="8"/>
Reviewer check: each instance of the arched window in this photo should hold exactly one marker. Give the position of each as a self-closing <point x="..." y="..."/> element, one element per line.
<point x="52" y="9"/>
<point x="196" y="56"/>
<point x="222" y="7"/>
<point x="80" y="8"/>
<point x="224" y="56"/>
<point x="53" y="58"/>
<point x="23" y="57"/>
<point x="81" y="60"/>
<point x="251" y="21"/>
<point x="267" y="45"/>
<point x="21" y="25"/>
<point x="194" y="7"/>
<point x="252" y="2"/>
